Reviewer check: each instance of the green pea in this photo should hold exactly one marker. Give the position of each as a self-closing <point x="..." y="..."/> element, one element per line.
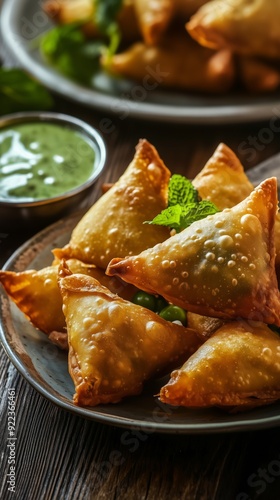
<point x="174" y="313"/>
<point x="145" y="300"/>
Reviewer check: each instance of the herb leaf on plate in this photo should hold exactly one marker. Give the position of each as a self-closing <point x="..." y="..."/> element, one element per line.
<point x="106" y="12"/>
<point x="67" y="48"/>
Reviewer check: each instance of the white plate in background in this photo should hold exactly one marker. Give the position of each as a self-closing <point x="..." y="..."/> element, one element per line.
<point x="23" y="21"/>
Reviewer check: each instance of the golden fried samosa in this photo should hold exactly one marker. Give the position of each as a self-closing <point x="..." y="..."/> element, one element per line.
<point x="114" y="345"/>
<point x="257" y="75"/>
<point x="36" y="294"/>
<point x="153" y="18"/>
<point x="248" y="27"/>
<point x="186" y="8"/>
<point x="66" y="12"/>
<point x="204" y="326"/>
<point x="223" y="180"/>
<point x="177" y="62"/>
<point x="221" y="266"/>
<point x="277" y="247"/>
<point x="114" y="224"/>
<point x="83" y="11"/>
<point x="237" y="368"/>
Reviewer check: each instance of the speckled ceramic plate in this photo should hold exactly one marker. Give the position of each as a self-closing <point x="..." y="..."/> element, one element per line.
<point x="45" y="367"/>
<point x="23" y="21"/>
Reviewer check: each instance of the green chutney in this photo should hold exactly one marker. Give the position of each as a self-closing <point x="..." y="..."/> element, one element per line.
<point x="43" y="160"/>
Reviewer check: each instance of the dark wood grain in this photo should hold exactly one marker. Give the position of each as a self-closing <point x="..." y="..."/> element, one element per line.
<point x="62" y="456"/>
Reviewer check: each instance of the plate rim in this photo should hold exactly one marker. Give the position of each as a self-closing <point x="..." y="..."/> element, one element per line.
<point x="93" y="414"/>
<point x="153" y="111"/>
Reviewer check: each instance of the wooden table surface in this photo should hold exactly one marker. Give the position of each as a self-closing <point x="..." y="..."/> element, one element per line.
<point x="63" y="456"/>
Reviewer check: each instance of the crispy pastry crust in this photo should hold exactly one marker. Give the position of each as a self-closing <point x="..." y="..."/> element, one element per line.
<point x="115" y="346"/>
<point x="114" y="225"/>
<point x="222" y="266"/>
<point x="237" y="368"/>
<point x="248" y="27"/>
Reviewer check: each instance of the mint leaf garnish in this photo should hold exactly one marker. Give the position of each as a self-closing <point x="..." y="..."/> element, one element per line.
<point x="184" y="205"/>
<point x="181" y="191"/>
<point x="196" y="211"/>
<point x="106" y="12"/>
<point x="105" y="17"/>
<point x="68" y="50"/>
<point x="171" y="217"/>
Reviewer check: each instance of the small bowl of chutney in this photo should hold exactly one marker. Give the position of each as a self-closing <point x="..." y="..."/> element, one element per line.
<point x="48" y="165"/>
